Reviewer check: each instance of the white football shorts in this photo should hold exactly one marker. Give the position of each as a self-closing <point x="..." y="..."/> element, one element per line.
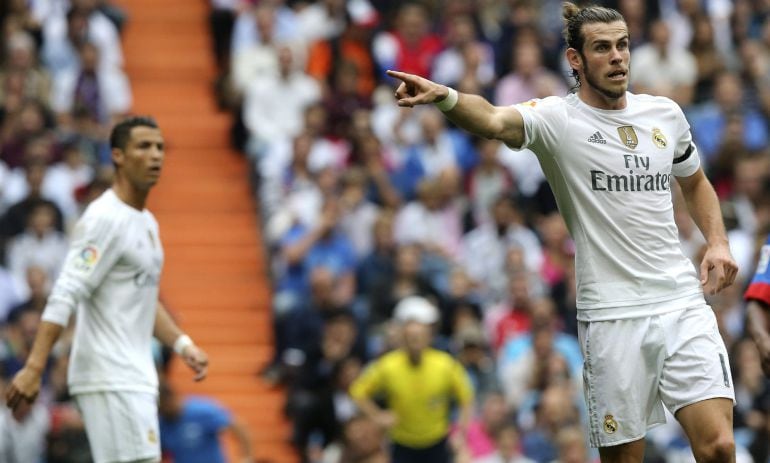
<point x="635" y="366"/>
<point x="121" y="426"/>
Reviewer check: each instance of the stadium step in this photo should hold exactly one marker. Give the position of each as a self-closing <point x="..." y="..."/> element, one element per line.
<point x="215" y="276"/>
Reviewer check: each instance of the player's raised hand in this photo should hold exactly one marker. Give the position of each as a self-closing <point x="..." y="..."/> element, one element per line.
<point x="718" y="269"/>
<point x="415" y="90"/>
<point x="197" y="360"/>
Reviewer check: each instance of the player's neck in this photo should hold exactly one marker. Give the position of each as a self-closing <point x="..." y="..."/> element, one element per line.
<point x="597" y="100"/>
<point x="129" y="194"/>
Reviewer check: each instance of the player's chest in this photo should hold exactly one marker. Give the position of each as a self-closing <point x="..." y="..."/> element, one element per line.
<point x="622" y="147"/>
<point x="142" y="249"/>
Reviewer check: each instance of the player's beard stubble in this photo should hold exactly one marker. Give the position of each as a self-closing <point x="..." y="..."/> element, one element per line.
<point x="593" y="81"/>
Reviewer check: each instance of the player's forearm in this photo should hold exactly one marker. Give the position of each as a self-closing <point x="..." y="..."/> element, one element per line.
<point x="47" y="335"/>
<point x="464" y="418"/>
<point x="368" y="407"/>
<point x="758" y="315"/>
<point x="165" y="330"/>
<point x="478" y="116"/>
<point x="241" y="435"/>
<point x="703" y="205"/>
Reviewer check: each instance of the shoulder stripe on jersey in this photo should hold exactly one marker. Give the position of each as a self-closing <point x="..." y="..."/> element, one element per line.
<point x="685" y="155"/>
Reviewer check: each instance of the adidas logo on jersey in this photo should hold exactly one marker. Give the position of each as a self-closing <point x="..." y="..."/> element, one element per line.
<point x="597" y="138"/>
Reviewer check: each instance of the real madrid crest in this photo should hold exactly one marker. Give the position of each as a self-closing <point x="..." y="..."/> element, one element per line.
<point x="658" y="138"/>
<point x="610" y="425"/>
<point x="628" y="136"/>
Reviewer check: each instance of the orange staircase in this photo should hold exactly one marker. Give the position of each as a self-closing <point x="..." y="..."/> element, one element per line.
<point x="214" y="279"/>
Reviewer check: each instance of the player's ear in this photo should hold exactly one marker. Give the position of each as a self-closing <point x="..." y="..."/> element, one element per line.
<point x="574" y="59"/>
<point x="118" y="156"/>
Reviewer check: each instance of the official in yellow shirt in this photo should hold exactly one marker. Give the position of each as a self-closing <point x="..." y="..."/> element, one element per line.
<point x="419" y="385"/>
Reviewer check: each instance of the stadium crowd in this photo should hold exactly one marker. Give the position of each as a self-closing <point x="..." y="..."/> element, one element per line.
<point x="377" y="217"/>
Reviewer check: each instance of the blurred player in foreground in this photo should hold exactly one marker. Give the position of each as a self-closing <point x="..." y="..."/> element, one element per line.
<point x="111" y="278"/>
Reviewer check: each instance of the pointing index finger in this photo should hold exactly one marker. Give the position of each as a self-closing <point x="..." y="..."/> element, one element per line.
<point x="400" y="75"/>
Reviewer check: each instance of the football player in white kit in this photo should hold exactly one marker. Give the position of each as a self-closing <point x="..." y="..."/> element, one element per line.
<point x="111" y="278"/>
<point x="648" y="337"/>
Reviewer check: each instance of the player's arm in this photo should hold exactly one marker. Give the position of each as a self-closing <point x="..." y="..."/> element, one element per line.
<point x="703" y="205"/>
<point x="471" y="112"/>
<point x="758" y="321"/>
<point x="26" y="384"/>
<point x="170" y="335"/>
<point x="361" y="392"/>
<point x="90" y="256"/>
<point x="241" y="434"/>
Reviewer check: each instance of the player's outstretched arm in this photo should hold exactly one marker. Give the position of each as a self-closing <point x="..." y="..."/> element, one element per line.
<point x="470" y="112"/>
<point x="169" y="334"/>
<point x="758" y="326"/>
<point x="25" y="385"/>
<point x="718" y="269"/>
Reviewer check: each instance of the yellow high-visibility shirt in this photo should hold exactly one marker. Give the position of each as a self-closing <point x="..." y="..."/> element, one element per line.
<point x="419" y="395"/>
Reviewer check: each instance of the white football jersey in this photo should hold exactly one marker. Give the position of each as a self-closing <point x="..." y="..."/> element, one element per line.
<point x="111" y="276"/>
<point x="611" y="174"/>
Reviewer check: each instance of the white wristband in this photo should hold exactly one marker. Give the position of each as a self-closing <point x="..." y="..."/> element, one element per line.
<point x="449" y="102"/>
<point x="182" y="343"/>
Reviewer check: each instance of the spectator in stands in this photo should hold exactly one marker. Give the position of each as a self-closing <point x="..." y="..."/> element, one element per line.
<point x="484" y="249"/>
<point x="406" y="281"/>
<point x="313" y="394"/>
<point x="417" y="419"/>
<point x="40" y="244"/>
<point x="571" y="443"/>
<point x="529" y="78"/>
<point x="16" y="216"/>
<point x="708" y="122"/>
<point x="301" y="330"/>
<point x="506" y="447"/>
<point x="662" y="69"/>
<point x="274" y="104"/>
<point x="191" y="429"/>
<point x="487" y="181"/>
<point x="465" y="57"/>
<point x="63" y="34"/>
<point x="358" y="214"/>
<point x="379" y="266"/>
<point x="9" y="293"/>
<point x="351" y="46"/>
<point x="441" y="149"/>
<point x="555" y="411"/>
<point x="512" y="316"/>
<point x="475" y="356"/>
<point x="21" y="60"/>
<point x="707" y="58"/>
<point x="434" y="222"/>
<point x="410" y="45"/>
<point x="484" y="428"/>
<point x="31" y="122"/>
<point x="343" y="99"/>
<point x="305" y="248"/>
<point x="101" y="93"/>
<point x="362" y="442"/>
<point x="246" y="28"/>
<point x="260" y="58"/>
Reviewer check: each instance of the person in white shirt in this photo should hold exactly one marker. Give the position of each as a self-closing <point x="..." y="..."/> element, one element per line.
<point x="111" y="277"/>
<point x="647" y="335"/>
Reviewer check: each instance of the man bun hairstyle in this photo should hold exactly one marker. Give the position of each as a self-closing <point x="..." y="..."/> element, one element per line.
<point x="121" y="133"/>
<point x="574" y="19"/>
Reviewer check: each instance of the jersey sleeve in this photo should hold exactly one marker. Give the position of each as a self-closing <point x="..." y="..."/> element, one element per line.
<point x="461" y="384"/>
<point x="369" y="383"/>
<point x="686" y="158"/>
<point x="94" y="250"/>
<point x="544" y="119"/>
<point x="759" y="289"/>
